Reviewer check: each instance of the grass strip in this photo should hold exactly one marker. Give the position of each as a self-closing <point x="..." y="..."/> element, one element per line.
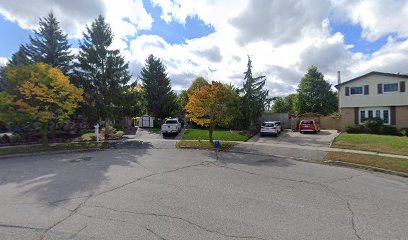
<point x="394" y="164"/>
<point x="224" y="135"/>
<point x="371" y="142"/>
<point x="225" y="146"/>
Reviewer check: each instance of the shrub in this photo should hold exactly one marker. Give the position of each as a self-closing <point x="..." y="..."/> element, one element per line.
<point x="16" y="138"/>
<point x="357" y="129"/>
<point x="87" y="137"/>
<point x="404" y="131"/>
<point x="387" y="130"/>
<point x="5" y="139"/>
<point x="119" y="133"/>
<point x="373" y="125"/>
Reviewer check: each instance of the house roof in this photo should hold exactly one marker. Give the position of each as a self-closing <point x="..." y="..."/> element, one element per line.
<point x="373" y="73"/>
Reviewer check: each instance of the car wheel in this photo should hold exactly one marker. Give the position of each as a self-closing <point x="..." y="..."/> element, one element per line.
<point x="261" y="134"/>
<point x="300" y="132"/>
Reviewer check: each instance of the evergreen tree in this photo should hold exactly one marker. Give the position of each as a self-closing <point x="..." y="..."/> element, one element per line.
<point x="49" y="45"/>
<point x="160" y="99"/>
<point x="104" y="75"/>
<point x="19" y="58"/>
<point x="254" y="97"/>
<point x="315" y="94"/>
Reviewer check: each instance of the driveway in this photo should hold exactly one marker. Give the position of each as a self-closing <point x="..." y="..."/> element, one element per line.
<point x="141" y="192"/>
<point x="322" y="139"/>
<point x="147" y="134"/>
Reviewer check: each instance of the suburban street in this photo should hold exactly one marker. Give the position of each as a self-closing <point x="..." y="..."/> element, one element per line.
<point x="144" y="190"/>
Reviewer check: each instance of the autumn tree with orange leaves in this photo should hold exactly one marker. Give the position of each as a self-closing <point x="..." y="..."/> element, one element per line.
<point x="213" y="105"/>
<point x="38" y="93"/>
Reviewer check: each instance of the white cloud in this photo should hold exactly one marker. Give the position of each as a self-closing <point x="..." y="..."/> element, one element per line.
<point x="376" y="17"/>
<point x="283" y="37"/>
<point x="3" y="61"/>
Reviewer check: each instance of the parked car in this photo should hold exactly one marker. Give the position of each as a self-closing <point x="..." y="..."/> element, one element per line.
<point x="171" y="126"/>
<point x="278" y="126"/>
<point x="270" y="128"/>
<point x="309" y="125"/>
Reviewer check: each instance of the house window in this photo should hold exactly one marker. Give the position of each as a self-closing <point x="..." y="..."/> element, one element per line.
<point x="370" y="114"/>
<point x="386" y="117"/>
<point x="379" y="112"/>
<point x="391" y="87"/>
<point x="356" y="90"/>
<point x="362" y="116"/>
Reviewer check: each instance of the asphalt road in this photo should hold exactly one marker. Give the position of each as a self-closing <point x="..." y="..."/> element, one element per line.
<point x="148" y="192"/>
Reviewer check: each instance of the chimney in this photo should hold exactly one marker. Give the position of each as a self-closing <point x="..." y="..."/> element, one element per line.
<point x="338" y="77"/>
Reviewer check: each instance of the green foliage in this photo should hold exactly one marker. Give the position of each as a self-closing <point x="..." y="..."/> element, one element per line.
<point x="388" y="130"/>
<point x="104" y="75"/>
<point x="254" y="97"/>
<point x="19" y="58"/>
<point x="40" y="94"/>
<point x="373" y="125"/>
<point x="225" y="135"/>
<point x="183" y="98"/>
<point x="159" y="98"/>
<point x="225" y="146"/>
<point x="404" y="131"/>
<point x="284" y="105"/>
<point x="356" y="129"/>
<point x="315" y="94"/>
<point x="48" y="45"/>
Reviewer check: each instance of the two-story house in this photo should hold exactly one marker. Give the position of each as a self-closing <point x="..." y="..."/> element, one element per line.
<point x="375" y="94"/>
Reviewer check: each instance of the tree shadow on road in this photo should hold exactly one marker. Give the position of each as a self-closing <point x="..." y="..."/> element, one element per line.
<point x="53" y="178"/>
<point x="253" y="159"/>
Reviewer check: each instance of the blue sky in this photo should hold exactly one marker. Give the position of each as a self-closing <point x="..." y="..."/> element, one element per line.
<point x="213" y="38"/>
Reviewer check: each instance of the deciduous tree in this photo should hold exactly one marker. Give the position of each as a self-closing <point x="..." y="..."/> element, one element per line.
<point x="39" y="93"/>
<point x="315" y="94"/>
<point x="212" y="105"/>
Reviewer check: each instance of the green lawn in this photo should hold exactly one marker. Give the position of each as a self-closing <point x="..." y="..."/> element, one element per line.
<point x="224" y="135"/>
<point x="52" y="147"/>
<point x="225" y="146"/>
<point x="372" y="142"/>
<point x="395" y="164"/>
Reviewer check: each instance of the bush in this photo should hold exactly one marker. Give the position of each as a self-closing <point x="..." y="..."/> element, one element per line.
<point x="5" y="139"/>
<point x="119" y="133"/>
<point x="16" y="138"/>
<point x="357" y="129"/>
<point x="387" y="130"/>
<point x="404" y="131"/>
<point x="373" y="125"/>
<point x="87" y="137"/>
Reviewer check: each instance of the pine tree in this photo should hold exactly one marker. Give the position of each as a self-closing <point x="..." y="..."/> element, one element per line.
<point x="19" y="58"/>
<point x="49" y="45"/>
<point x="160" y="99"/>
<point x="254" y="97"/>
<point x="103" y="73"/>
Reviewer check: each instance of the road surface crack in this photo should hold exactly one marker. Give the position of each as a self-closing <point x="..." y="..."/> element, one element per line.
<point x="181" y="219"/>
<point x="353" y="225"/>
<point x="21" y="227"/>
<point x="73" y="212"/>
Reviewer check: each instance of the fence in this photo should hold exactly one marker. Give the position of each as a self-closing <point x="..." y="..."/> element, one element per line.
<point x="326" y="122"/>
<point x="282" y="117"/>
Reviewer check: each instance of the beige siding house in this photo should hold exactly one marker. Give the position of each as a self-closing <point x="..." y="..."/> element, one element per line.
<point x="374" y="94"/>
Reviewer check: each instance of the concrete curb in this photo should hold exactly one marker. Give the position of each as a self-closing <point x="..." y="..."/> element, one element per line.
<point x="362" y="166"/>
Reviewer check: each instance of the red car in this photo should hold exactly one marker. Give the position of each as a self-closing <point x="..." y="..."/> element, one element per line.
<point x="309" y="125"/>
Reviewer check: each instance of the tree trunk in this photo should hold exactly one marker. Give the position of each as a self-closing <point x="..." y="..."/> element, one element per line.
<point x="210" y="133"/>
<point x="44" y="134"/>
<point x="108" y="129"/>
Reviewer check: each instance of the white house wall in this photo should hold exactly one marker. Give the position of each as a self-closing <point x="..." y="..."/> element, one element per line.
<point x="373" y="99"/>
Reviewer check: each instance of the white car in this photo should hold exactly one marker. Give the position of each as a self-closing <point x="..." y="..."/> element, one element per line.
<point x="172" y="125"/>
<point x="270" y="128"/>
